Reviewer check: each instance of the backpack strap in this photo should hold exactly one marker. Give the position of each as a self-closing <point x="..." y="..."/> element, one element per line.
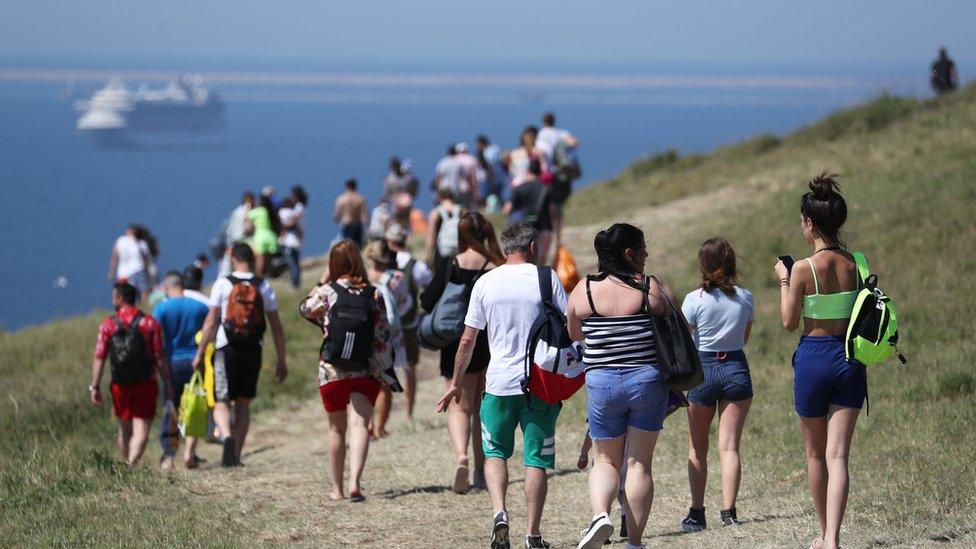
<point x="545" y="284"/>
<point x="816" y="282"/>
<point x="119" y="327"/>
<point x="862" y="266"/>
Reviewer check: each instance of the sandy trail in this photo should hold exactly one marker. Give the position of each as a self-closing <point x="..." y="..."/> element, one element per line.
<point x="282" y="492"/>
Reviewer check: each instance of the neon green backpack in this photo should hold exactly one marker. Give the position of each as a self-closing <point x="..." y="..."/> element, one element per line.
<point x="872" y="335"/>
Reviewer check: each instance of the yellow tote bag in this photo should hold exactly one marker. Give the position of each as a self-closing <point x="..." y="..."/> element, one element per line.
<point x="208" y="372"/>
<point x="193" y="408"/>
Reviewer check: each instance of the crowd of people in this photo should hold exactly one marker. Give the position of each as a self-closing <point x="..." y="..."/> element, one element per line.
<point x="479" y="298"/>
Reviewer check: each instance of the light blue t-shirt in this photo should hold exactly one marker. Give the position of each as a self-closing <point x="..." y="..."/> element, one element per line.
<point x="720" y="320"/>
<point x="181" y="318"/>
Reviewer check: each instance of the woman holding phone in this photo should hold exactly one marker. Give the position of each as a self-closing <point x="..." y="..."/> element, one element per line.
<point x="828" y="389"/>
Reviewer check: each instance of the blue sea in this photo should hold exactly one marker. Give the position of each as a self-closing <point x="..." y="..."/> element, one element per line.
<point x="63" y="200"/>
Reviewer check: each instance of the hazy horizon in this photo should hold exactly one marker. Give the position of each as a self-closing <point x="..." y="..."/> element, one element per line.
<point x="572" y="35"/>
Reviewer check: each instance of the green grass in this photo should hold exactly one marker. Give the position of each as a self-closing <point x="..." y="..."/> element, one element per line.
<point x="58" y="462"/>
<point x="907" y="168"/>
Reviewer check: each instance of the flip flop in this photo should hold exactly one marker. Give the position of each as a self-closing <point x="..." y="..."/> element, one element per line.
<point x="356" y="497"/>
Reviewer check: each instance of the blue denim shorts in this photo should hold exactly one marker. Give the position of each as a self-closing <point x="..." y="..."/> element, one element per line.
<point x="822" y="376"/>
<point x="726" y="378"/>
<point x="618" y="398"/>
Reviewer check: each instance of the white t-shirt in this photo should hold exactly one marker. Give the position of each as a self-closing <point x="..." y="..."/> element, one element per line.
<point x="505" y="301"/>
<point x="720" y="320"/>
<point x="198" y="296"/>
<point x="421" y="272"/>
<point x="290" y="238"/>
<point x="220" y="292"/>
<point x="235" y="225"/>
<point x="548" y="138"/>
<point x="131" y="256"/>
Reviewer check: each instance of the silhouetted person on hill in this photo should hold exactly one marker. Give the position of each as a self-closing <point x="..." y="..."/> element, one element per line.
<point x="944" y="77"/>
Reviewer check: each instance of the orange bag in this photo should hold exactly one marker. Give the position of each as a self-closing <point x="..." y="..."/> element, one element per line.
<point x="565" y="266"/>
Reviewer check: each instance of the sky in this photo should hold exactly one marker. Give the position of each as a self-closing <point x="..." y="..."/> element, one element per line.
<point x="563" y="34"/>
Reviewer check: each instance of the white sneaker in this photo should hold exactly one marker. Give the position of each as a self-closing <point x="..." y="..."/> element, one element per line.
<point x="599" y="532"/>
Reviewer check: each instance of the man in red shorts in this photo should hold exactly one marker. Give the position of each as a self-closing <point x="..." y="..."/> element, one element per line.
<point x="132" y="341"/>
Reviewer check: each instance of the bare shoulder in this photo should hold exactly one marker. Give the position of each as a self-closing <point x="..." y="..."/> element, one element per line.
<point x="662" y="293"/>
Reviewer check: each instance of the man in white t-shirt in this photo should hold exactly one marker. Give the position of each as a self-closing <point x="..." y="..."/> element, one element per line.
<point x="237" y="360"/>
<point x="550" y="136"/>
<point x="506" y="301"/>
<point x="130" y="262"/>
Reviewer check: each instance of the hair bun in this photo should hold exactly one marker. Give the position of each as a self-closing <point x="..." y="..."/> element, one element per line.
<point x="824" y="185"/>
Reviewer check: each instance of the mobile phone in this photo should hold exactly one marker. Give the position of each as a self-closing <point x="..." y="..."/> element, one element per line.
<point x="788" y="261"/>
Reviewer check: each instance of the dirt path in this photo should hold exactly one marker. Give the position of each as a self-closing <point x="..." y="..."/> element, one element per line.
<point x="282" y="491"/>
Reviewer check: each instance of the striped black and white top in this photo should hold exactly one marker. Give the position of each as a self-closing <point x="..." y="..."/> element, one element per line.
<point x="623" y="341"/>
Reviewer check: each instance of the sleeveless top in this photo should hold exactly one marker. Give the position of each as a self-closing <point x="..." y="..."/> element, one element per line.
<point x="834" y="306"/>
<point x="622" y="341"/>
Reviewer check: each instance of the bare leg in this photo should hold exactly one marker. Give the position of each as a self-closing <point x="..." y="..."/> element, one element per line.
<point x="732" y="418"/>
<point x="699" y="425"/>
<point x="221" y="416"/>
<point x="496" y="474"/>
<point x="362" y="410"/>
<point x="840" y="433"/>
<point x="242" y="422"/>
<point x="814" y="431"/>
<point x="410" y="388"/>
<point x="476" y="447"/>
<point x="140" y="435"/>
<point x="384" y="401"/>
<point x="604" y="479"/>
<point x="459" y="428"/>
<point x="536" y="488"/>
<point x="639" y="486"/>
<point x="125" y="436"/>
<point x="259" y="264"/>
<point x="337" y="452"/>
<point x="190" y="453"/>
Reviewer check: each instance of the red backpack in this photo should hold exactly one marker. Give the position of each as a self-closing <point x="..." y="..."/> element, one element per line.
<point x="244" y="319"/>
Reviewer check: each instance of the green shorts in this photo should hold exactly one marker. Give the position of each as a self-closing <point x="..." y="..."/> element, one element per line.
<point x="500" y="415"/>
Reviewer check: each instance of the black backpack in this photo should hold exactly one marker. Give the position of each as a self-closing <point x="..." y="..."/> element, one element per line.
<point x="128" y="355"/>
<point x="350" y="342"/>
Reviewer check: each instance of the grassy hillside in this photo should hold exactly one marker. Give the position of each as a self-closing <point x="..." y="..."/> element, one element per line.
<point x="908" y="169"/>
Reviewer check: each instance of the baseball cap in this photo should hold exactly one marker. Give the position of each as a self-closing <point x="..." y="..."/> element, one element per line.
<point x="461" y="147"/>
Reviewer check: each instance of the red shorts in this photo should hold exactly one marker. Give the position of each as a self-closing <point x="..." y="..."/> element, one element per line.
<point x="135" y="400"/>
<point x="335" y="394"/>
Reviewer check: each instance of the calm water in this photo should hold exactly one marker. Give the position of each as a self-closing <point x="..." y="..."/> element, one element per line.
<point x="63" y="201"/>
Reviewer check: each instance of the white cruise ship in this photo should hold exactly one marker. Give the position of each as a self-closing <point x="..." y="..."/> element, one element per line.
<point x="178" y="114"/>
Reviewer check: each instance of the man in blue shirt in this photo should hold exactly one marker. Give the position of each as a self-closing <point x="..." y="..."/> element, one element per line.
<point x="181" y="318"/>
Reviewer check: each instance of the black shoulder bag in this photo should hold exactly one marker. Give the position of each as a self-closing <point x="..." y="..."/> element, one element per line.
<point x="676" y="350"/>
